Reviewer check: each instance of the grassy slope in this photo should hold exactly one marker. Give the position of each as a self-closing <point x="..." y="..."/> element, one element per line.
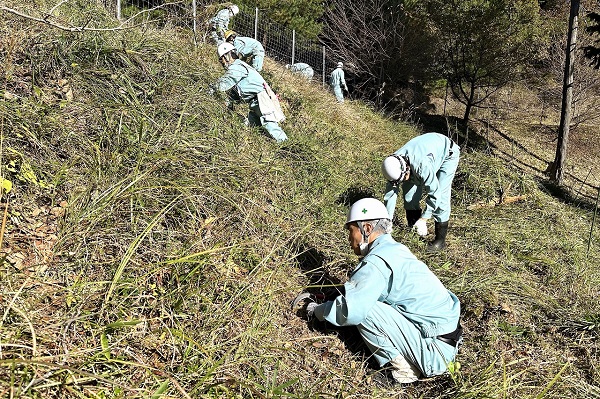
<point x="156" y="243"/>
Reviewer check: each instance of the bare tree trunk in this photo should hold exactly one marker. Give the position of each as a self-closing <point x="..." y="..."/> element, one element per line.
<point x="557" y="167"/>
<point x="470" y="102"/>
<point x="467" y="112"/>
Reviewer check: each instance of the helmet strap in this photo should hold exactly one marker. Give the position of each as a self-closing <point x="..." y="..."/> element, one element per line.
<point x="362" y="230"/>
<point x="364" y="245"/>
<point x="227" y="59"/>
<point x="403" y="161"/>
<point x="365" y="237"/>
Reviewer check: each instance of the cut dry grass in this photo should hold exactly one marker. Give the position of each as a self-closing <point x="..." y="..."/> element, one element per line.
<point x="154" y="242"/>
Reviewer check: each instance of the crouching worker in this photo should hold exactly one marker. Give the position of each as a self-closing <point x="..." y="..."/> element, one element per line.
<point x="220" y="23"/>
<point x="302" y="69"/>
<point x="241" y="82"/>
<point x="426" y="164"/>
<point x="405" y="315"/>
<point x="250" y="50"/>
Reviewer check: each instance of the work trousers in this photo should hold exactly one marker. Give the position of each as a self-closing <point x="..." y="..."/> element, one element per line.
<point x="256" y="118"/>
<point x="337" y="90"/>
<point x="414" y="192"/>
<point x="388" y="334"/>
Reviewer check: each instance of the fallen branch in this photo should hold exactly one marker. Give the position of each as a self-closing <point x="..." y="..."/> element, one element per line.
<point x="497" y="201"/>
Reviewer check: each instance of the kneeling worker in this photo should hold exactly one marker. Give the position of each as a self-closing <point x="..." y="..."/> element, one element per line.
<point x="425" y="163"/>
<point x="405" y="315"/>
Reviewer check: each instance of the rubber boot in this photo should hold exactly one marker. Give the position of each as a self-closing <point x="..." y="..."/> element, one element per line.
<point x="439" y="243"/>
<point x="412" y="215"/>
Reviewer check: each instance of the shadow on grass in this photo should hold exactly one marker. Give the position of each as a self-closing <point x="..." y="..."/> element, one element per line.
<point x="321" y="283"/>
<point x="566" y="196"/>
<point x="470" y="138"/>
<point x="350" y="337"/>
<point x="454" y="128"/>
<point x="353" y="194"/>
<point x="325" y="287"/>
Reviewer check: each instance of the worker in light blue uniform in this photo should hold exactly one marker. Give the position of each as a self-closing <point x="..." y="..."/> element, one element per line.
<point x="302" y="69"/>
<point x="248" y="49"/>
<point x="220" y="23"/>
<point x="337" y="81"/>
<point x="405" y="315"/>
<point x="425" y="164"/>
<point x="243" y="83"/>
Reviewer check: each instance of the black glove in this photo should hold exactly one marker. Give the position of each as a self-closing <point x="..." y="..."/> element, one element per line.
<point x="310" y="309"/>
<point x="305" y="302"/>
<point x="300" y="300"/>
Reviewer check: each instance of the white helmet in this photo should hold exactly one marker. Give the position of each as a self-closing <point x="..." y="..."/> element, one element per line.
<point x="234" y="9"/>
<point x="224" y="48"/>
<point x="394" y="168"/>
<point x="340" y="64"/>
<point x="367" y="209"/>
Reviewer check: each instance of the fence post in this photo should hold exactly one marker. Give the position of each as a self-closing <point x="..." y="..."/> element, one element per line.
<point x="293" y="44"/>
<point x="119" y="10"/>
<point x="256" y="24"/>
<point x="323" y="66"/>
<point x="194" y="28"/>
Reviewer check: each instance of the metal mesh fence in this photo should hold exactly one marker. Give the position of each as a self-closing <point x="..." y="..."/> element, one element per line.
<point x="281" y="44"/>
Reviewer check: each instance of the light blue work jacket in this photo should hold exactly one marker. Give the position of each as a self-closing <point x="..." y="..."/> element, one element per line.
<point x="221" y="20"/>
<point x="242" y="82"/>
<point x="337" y="78"/>
<point x="247" y="46"/>
<point x="391" y="274"/>
<point x="426" y="154"/>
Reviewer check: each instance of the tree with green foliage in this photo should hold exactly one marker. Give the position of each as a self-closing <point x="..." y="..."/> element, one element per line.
<point x="485" y="44"/>
<point x="302" y="15"/>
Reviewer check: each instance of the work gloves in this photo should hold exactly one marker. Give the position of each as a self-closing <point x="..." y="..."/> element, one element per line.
<point x="302" y="301"/>
<point x="305" y="303"/>
<point x="421" y="227"/>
